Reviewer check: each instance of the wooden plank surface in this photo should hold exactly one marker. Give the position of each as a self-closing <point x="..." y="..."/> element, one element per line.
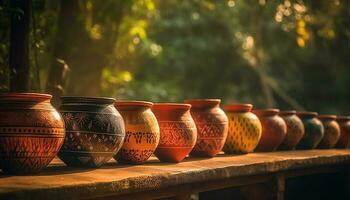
<point x="61" y="182"/>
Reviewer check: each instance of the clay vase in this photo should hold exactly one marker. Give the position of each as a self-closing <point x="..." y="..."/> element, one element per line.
<point x="344" y="139"/>
<point x="295" y="130"/>
<point x="274" y="130"/>
<point x="313" y="130"/>
<point x="211" y="123"/>
<point x="178" y="133"/>
<point x="141" y="131"/>
<point x="244" y="131"/>
<point x="94" y="131"/>
<point x="31" y="132"/>
<point x="331" y="131"/>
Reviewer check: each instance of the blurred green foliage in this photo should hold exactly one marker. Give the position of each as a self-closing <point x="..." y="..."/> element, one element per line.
<point x="291" y="54"/>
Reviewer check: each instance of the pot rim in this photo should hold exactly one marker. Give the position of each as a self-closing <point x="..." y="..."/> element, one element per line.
<point x="238" y="107"/>
<point x="170" y="106"/>
<point x="266" y="112"/>
<point x="202" y="103"/>
<point x="132" y="103"/>
<point x="25" y="96"/>
<point x="87" y="99"/>
<point x="327" y="117"/>
<point x="288" y="112"/>
<point x="306" y="114"/>
<point x="343" y="118"/>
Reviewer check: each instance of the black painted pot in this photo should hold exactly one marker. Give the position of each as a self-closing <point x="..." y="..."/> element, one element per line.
<point x="94" y="131"/>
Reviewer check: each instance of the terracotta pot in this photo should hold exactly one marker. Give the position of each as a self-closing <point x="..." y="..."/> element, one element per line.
<point x="31" y="130"/>
<point x="212" y="125"/>
<point x="331" y="131"/>
<point x="274" y="130"/>
<point x="313" y="130"/>
<point x="142" y="131"/>
<point x="244" y="131"/>
<point x="178" y="133"/>
<point x="295" y="130"/>
<point x="94" y="131"/>
<point x="344" y="139"/>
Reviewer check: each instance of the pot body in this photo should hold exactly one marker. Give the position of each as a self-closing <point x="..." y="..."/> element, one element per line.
<point x="314" y="130"/>
<point x="94" y="131"/>
<point x="331" y="132"/>
<point x="344" y="139"/>
<point x="31" y="130"/>
<point x="178" y="133"/>
<point x="142" y="131"/>
<point x="244" y="130"/>
<point x="295" y="130"/>
<point x="274" y="130"/>
<point x="212" y="125"/>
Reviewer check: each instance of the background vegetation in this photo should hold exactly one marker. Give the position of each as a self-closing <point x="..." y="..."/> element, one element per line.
<point x="291" y="54"/>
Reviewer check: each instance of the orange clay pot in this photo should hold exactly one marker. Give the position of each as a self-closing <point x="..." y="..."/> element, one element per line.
<point x="31" y="132"/>
<point x="244" y="130"/>
<point x="295" y="130"/>
<point x="331" y="131"/>
<point x="178" y="133"/>
<point x="274" y="130"/>
<point x="344" y="139"/>
<point x="212" y="125"/>
<point x="141" y="131"/>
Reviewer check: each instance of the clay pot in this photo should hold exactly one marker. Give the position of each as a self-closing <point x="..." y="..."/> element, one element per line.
<point x="244" y="131"/>
<point x="94" y="131"/>
<point x="142" y="131"/>
<point x="344" y="139"/>
<point x="331" y="131"/>
<point x="31" y="130"/>
<point x="295" y="130"/>
<point x="211" y="123"/>
<point x="274" y="130"/>
<point x="314" y="130"/>
<point x="178" y="133"/>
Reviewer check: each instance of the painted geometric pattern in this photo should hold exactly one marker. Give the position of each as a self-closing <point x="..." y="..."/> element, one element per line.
<point x="177" y="133"/>
<point x="134" y="155"/>
<point x="28" y="154"/>
<point x="31" y="118"/>
<point x="243" y="134"/>
<point x="209" y="145"/>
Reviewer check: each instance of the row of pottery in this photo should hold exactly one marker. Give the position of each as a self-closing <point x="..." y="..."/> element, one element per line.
<point x="89" y="131"/>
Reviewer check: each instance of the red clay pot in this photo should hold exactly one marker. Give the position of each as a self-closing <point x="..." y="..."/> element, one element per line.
<point x="331" y="131"/>
<point x="31" y="130"/>
<point x="178" y="133"/>
<point x="295" y="130"/>
<point x="274" y="130"/>
<point x="212" y="126"/>
<point x="344" y="139"/>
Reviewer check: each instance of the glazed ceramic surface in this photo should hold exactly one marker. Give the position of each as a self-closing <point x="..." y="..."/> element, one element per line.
<point x="295" y="130"/>
<point x="244" y="130"/>
<point x="331" y="131"/>
<point x="142" y="131"/>
<point x="94" y="131"/>
<point x="31" y="132"/>
<point x="178" y="133"/>
<point x="314" y="130"/>
<point x="344" y="139"/>
<point x="212" y="125"/>
<point x="274" y="130"/>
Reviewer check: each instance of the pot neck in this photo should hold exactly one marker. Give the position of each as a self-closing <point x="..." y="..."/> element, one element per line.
<point x="132" y="105"/>
<point x="203" y="103"/>
<point x="343" y="119"/>
<point x="24" y="97"/>
<point x="238" y="107"/>
<point x="266" y="112"/>
<point x="305" y="115"/>
<point x="288" y="112"/>
<point x="87" y="100"/>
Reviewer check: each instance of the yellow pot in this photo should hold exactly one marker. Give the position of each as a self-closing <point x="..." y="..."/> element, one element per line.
<point x="142" y="131"/>
<point x="244" y="131"/>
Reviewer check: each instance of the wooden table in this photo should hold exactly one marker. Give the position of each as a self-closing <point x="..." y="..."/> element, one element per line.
<point x="163" y="180"/>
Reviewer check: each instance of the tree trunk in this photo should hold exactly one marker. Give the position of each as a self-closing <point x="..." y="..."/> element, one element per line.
<point x="19" y="45"/>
